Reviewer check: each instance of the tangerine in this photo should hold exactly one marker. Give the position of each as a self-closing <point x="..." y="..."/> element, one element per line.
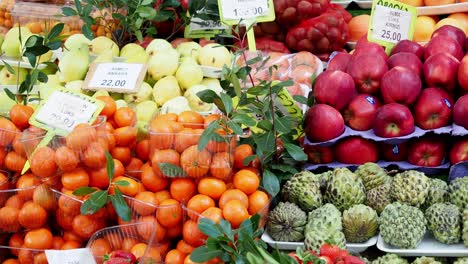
<point x="233" y="194"/>
<point x="169" y="213"/>
<point x="196" y="164"/>
<point x="38" y="239"/>
<point x="66" y="159"/>
<point x="235" y="212"/>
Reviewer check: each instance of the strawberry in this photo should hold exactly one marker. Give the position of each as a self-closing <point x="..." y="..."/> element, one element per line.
<point x="326" y="259"/>
<point x="295" y="257"/>
<point x="333" y="252"/>
<point x="352" y="260"/>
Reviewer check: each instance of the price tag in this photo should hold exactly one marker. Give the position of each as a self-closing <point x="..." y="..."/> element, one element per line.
<point x="115" y="77"/>
<point x="233" y="11"/>
<point x="199" y="28"/>
<point x="64" y="110"/>
<point x="71" y="256"/>
<point x="391" y="21"/>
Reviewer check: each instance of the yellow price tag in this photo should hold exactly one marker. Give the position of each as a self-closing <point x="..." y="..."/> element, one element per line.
<point x="391" y="21"/>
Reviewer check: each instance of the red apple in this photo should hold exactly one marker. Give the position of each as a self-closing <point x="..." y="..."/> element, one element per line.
<point x="356" y="150"/>
<point x="452" y="32"/>
<point x="463" y="74"/>
<point x="323" y="122"/>
<point x="318" y="154"/>
<point x="394" y="152"/>
<point x="393" y="120"/>
<point x="367" y="71"/>
<point x="145" y="41"/>
<point x="408" y="46"/>
<point x="459" y="151"/>
<point x="369" y="48"/>
<point x="433" y="109"/>
<point x="460" y="111"/>
<point x="335" y="88"/>
<point x="406" y="60"/>
<point x="442" y="44"/>
<point x="360" y="113"/>
<point x="339" y="62"/>
<point x="427" y="151"/>
<point x="440" y="70"/>
<point x="400" y="85"/>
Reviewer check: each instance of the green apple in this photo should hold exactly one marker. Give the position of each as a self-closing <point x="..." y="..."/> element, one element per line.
<point x="74" y="64"/>
<point x="166" y="89"/>
<point x="145" y="112"/>
<point x="121" y="103"/>
<point x="143" y="94"/>
<point x="6" y="104"/>
<point x="100" y="44"/>
<point x="176" y="105"/>
<point x="156" y="46"/>
<point x="105" y="56"/>
<point x="101" y="93"/>
<point x="8" y="78"/>
<point x="195" y="103"/>
<point x="134" y="53"/>
<point x="189" y="74"/>
<point x="189" y="49"/>
<point x="163" y="64"/>
<point x="75" y="41"/>
<point x="11" y="46"/>
<point x="214" y="55"/>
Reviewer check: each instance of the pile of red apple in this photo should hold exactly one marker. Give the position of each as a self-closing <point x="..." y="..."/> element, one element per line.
<point x="389" y="97"/>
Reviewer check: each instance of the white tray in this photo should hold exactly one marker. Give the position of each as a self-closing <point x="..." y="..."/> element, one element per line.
<point x="344" y="3"/>
<point x="364" y="4"/>
<point x="351" y="247"/>
<point x="92" y="57"/>
<point x="13" y="62"/>
<point x="212" y="72"/>
<point x="14" y="88"/>
<point x="429" y="247"/>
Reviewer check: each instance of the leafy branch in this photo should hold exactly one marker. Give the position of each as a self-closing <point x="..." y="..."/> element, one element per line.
<point x="34" y="49"/>
<point x="100" y="198"/>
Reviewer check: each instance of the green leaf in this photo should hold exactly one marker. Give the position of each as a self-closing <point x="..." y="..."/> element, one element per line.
<point x="171" y="170"/>
<point x="235" y="127"/>
<point x="300" y="99"/>
<point x="68" y="11"/>
<point x="265" y="125"/>
<point x="208" y="227"/>
<point x="208" y="96"/>
<point x="254" y="60"/>
<point x="110" y="166"/>
<point x="31" y="58"/>
<point x="246" y="230"/>
<point x="227" y="229"/>
<point x="146" y="2"/>
<point x="87" y="32"/>
<point x="79" y="7"/>
<point x="296" y="152"/>
<point x="82" y="191"/>
<point x="121" y="183"/>
<point x="42" y="77"/>
<point x="203" y="254"/>
<point x="9" y="68"/>
<point x="120" y="205"/>
<point x="53" y="45"/>
<point x="96" y="201"/>
<point x="55" y="31"/>
<point x="248" y="159"/>
<point x="227" y="101"/>
<point x="284" y="124"/>
<point x="265" y="140"/>
<point x="212" y="243"/>
<point x="207" y="135"/>
<point x="33" y="41"/>
<point x="244" y="119"/>
<point x="10" y="94"/>
<point x="271" y="183"/>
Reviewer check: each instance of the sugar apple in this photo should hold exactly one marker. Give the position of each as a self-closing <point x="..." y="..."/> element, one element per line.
<point x="410" y="187"/>
<point x="465" y="227"/>
<point x="390" y="258"/>
<point x="438" y="192"/>
<point x="326" y="218"/>
<point x="323" y="179"/>
<point x="461" y="261"/>
<point x="372" y="175"/>
<point x="286" y="222"/>
<point x="444" y="221"/>
<point x="379" y="197"/>
<point x="344" y="189"/>
<point x="316" y="238"/>
<point x="458" y="192"/>
<point x="359" y="223"/>
<point x="303" y="189"/>
<point x="402" y="225"/>
<point x="426" y="260"/>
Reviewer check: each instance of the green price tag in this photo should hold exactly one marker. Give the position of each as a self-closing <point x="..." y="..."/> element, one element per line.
<point x="391" y="21"/>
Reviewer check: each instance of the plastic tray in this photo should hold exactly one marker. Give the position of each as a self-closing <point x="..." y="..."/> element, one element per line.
<point x="364" y="4"/>
<point x="344" y="4"/>
<point x="352" y="247"/>
<point x="442" y="9"/>
<point x="24" y="64"/>
<point x="429" y="247"/>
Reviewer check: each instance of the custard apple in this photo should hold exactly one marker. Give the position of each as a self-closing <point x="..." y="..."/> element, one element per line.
<point x="390" y="258"/>
<point x="444" y="221"/>
<point x="379" y="197"/>
<point x="402" y="225"/>
<point x="316" y="238"/>
<point x="426" y="260"/>
<point x="323" y="179"/>
<point x="438" y="192"/>
<point x="372" y="175"/>
<point x="410" y="187"/>
<point x="458" y="192"/>
<point x="286" y="222"/>
<point x="326" y="218"/>
<point x="465" y="227"/>
<point x="344" y="189"/>
<point x="359" y="223"/>
<point x="461" y="261"/>
<point x="303" y="189"/>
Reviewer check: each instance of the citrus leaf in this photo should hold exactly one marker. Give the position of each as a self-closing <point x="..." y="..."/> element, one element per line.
<point x="110" y="166"/>
<point x="171" y="170"/>
<point x="270" y="182"/>
<point x="9" y="68"/>
<point x="82" y="191"/>
<point x="121" y="183"/>
<point x="227" y="229"/>
<point x="300" y="99"/>
<point x="68" y="11"/>
<point x="56" y="30"/>
<point x="207" y="227"/>
<point x="120" y="205"/>
<point x="203" y="254"/>
<point x="10" y="94"/>
<point x="95" y="202"/>
<point x="227" y="101"/>
<point x="248" y="159"/>
<point x="244" y="119"/>
<point x="42" y="77"/>
<point x="296" y="152"/>
<point x="208" y="96"/>
<point x="207" y="135"/>
<point x="284" y="124"/>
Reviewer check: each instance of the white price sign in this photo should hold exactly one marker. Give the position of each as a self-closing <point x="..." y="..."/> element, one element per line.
<point x="64" y="111"/>
<point x="197" y="24"/>
<point x="115" y="77"/>
<point x="71" y="256"/>
<point x="390" y="24"/>
<point x="243" y="9"/>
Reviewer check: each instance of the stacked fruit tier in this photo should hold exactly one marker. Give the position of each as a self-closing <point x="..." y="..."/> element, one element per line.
<point x="395" y="109"/>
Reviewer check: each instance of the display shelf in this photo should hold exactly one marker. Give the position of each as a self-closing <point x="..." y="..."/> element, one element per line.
<point x="429" y="247"/>
<point x="442" y="9"/>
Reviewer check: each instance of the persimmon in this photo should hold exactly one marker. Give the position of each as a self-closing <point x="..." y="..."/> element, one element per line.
<point x="109" y="106"/>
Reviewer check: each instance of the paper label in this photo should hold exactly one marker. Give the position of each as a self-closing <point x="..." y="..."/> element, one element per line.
<point x="72" y="256"/>
<point x="199" y="28"/>
<point x="64" y="110"/>
<point x="232" y="11"/>
<point x="391" y="22"/>
<point x="115" y="77"/>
